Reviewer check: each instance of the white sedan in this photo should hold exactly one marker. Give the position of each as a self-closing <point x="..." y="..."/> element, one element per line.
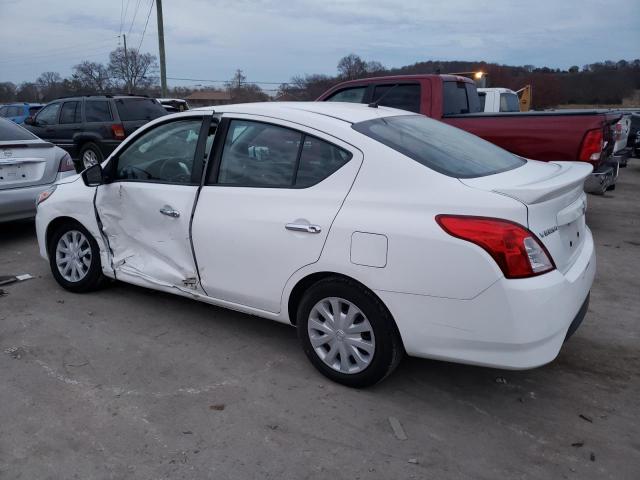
<point x="374" y="231"/>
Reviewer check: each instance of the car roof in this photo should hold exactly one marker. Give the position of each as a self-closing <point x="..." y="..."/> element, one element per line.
<point x="300" y="111"/>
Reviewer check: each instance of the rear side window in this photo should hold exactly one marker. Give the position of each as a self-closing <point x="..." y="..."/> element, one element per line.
<point x="70" y="112"/>
<point x="318" y="160"/>
<point x="9" y="132"/>
<point x="14" y="112"/>
<point x="454" y="98"/>
<point x="351" y="95"/>
<point x="509" y="102"/>
<point x="442" y="148"/>
<point x="472" y="98"/>
<point x="404" y="97"/>
<point x="131" y="109"/>
<point x="3" y="111"/>
<point x="98" y="111"/>
<point x="259" y="154"/>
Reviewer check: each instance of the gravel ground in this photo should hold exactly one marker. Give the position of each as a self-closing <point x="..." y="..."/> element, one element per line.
<point x="131" y="383"/>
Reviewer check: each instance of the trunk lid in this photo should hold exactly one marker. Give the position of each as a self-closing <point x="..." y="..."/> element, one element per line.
<point x="27" y="163"/>
<point x="553" y="193"/>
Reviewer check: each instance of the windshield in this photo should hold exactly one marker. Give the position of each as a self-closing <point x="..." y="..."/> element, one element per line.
<point x="445" y="149"/>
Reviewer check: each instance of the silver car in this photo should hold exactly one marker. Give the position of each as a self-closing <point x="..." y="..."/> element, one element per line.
<point x="28" y="166"/>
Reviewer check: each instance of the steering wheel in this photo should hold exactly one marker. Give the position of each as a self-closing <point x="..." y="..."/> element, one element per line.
<point x="175" y="171"/>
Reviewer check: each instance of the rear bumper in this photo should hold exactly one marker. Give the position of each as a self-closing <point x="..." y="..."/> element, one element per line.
<point x="20" y="203"/>
<point x="513" y="324"/>
<point x="603" y="177"/>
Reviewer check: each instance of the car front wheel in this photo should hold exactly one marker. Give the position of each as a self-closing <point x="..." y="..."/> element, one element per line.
<point x="74" y="258"/>
<point x="347" y="333"/>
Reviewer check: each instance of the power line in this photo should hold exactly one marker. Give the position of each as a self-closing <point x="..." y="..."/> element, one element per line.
<point x="145" y="24"/>
<point x="135" y="13"/>
<point x="55" y="51"/>
<point x="223" y="81"/>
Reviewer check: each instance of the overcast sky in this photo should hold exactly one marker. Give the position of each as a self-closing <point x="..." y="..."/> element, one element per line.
<point x="272" y="40"/>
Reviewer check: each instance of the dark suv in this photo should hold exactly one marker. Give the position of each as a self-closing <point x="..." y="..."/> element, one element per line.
<point x="91" y="127"/>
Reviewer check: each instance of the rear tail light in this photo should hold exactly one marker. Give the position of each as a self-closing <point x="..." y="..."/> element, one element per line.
<point x="592" y="146"/>
<point x="118" y="131"/>
<point x="618" y="131"/>
<point x="515" y="249"/>
<point x="66" y="164"/>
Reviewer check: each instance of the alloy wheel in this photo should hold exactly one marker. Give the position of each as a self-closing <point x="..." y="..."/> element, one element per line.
<point x="89" y="158"/>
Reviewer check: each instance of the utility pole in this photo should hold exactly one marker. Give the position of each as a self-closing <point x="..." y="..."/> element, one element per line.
<point x="163" y="67"/>
<point x="126" y="63"/>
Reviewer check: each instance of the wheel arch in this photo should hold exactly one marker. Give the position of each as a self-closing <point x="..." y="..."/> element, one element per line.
<point x="302" y="285"/>
<point x="55" y="224"/>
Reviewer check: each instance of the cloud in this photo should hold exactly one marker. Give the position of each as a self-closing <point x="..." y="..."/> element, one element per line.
<point x="274" y="40"/>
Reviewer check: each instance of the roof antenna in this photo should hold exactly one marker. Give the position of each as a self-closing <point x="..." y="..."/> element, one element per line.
<point x="377" y="102"/>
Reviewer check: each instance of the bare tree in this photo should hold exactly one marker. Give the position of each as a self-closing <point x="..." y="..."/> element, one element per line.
<point x="50" y="85"/>
<point x="7" y="92"/>
<point x="352" y="67"/>
<point x="133" y="69"/>
<point x="28" y="92"/>
<point x="238" y="79"/>
<point x="92" y="76"/>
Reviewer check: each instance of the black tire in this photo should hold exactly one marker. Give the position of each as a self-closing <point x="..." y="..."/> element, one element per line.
<point x="93" y="279"/>
<point x="388" y="345"/>
<point x="89" y="148"/>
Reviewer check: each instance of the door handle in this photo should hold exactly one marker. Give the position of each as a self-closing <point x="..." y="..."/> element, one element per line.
<point x="303" y="227"/>
<point x="169" y="211"/>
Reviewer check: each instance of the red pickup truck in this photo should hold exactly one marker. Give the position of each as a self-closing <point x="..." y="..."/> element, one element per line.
<point x="578" y="135"/>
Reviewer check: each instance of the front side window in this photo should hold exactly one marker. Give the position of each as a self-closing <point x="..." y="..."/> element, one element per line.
<point x="98" y="111"/>
<point x="351" y="95"/>
<point x="483" y="98"/>
<point x="49" y="114"/>
<point x="454" y="98"/>
<point x="438" y="146"/>
<point x="70" y="112"/>
<point x="164" y="154"/>
<point x="472" y="98"/>
<point x="404" y="97"/>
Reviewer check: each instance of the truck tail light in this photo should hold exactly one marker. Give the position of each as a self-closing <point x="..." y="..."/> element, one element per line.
<point x="66" y="164"/>
<point x="118" y="131"/>
<point x="515" y="249"/>
<point x="592" y="146"/>
<point x="618" y="131"/>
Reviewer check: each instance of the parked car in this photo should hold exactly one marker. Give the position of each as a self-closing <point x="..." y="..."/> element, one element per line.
<point x="579" y="135"/>
<point x="633" y="141"/>
<point x="498" y="100"/>
<point x="18" y="112"/>
<point x="28" y="166"/>
<point x="91" y="127"/>
<point x="373" y="230"/>
<point x="174" y="105"/>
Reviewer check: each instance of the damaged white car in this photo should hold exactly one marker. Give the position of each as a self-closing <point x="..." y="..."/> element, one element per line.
<point x="375" y="231"/>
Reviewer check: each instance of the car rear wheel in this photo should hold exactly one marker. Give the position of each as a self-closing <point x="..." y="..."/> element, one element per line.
<point x="347" y="333"/>
<point x="90" y="154"/>
<point x="74" y="258"/>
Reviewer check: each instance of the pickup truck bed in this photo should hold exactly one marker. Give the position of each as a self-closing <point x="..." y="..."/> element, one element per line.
<point x="575" y="135"/>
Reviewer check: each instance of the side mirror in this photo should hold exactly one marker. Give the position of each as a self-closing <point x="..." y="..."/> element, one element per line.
<point x="29" y="120"/>
<point x="93" y="176"/>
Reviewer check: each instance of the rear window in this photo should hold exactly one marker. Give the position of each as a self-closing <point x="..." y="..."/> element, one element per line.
<point x="509" y="102"/>
<point x="459" y="98"/>
<point x="442" y="148"/>
<point x="9" y="132"/>
<point x="404" y="97"/>
<point x="139" y="109"/>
